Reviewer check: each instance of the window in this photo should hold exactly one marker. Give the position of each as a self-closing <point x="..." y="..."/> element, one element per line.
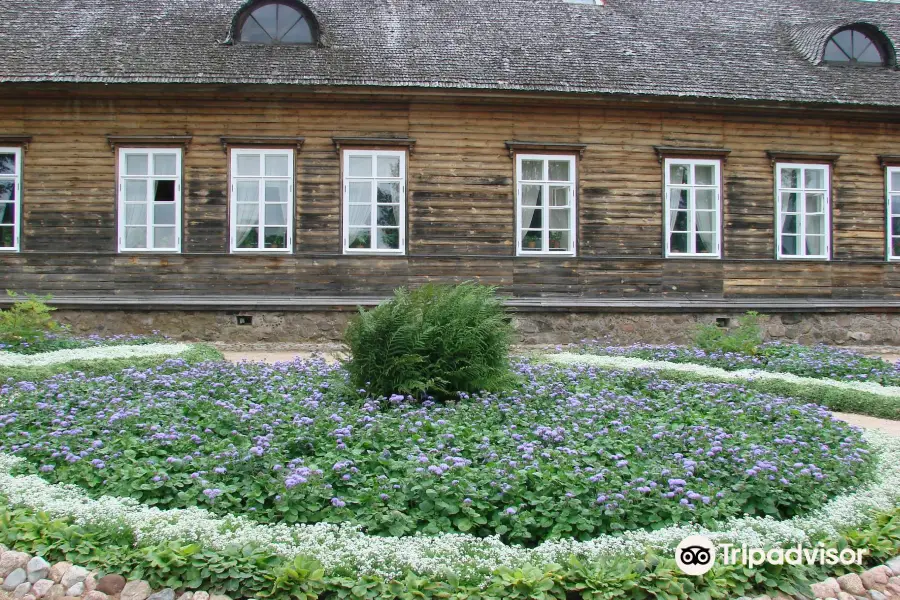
<point x="803" y="199"/>
<point x="855" y="47"/>
<point x="693" y="208"/>
<point x="545" y="204"/>
<point x="10" y="198"/>
<point x="149" y="200"/>
<point x="276" y="23"/>
<point x="374" y="201"/>
<point x="262" y="200"/>
<point x="893" y="207"/>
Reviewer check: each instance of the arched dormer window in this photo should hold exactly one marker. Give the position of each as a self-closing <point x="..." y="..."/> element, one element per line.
<point x="859" y="45"/>
<point x="275" y="22"/>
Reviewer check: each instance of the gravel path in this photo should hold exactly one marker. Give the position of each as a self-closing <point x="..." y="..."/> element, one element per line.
<point x="883" y="425"/>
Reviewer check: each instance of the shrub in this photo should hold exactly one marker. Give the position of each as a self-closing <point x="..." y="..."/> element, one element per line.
<point x="434" y="340"/>
<point x="745" y="338"/>
<point x="27" y="320"/>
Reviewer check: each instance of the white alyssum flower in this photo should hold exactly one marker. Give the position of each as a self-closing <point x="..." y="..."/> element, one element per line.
<point x="11" y="359"/>
<point x="631" y="364"/>
<point x="344" y="549"/>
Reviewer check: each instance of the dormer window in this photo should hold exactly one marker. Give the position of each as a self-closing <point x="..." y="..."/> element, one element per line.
<point x="858" y="46"/>
<point x="275" y="22"/>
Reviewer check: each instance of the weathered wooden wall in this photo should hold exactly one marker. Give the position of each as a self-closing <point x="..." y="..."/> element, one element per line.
<point x="461" y="204"/>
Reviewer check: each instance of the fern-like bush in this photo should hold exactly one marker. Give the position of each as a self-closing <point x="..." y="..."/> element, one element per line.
<point x="28" y="320"/>
<point x="746" y="338"/>
<point x="432" y="341"/>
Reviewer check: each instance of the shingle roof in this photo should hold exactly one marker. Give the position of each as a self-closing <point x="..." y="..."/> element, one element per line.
<point x="728" y="49"/>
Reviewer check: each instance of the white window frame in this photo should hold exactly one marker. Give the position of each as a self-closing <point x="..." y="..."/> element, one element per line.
<point x="262" y="178"/>
<point x="375" y="179"/>
<point x="16" y="178"/>
<point x="891" y="234"/>
<point x="801" y="233"/>
<point x="149" y="178"/>
<point x="545" y="220"/>
<point x="692" y="207"/>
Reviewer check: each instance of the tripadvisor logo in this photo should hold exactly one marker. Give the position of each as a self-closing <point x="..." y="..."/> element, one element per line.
<point x="696" y="555"/>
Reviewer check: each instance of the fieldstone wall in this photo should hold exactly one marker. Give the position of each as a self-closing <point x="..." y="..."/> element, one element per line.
<point x="856" y="329"/>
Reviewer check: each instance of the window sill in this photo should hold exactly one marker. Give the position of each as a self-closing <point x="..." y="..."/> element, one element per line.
<point x="805" y="258"/>
<point x="526" y="254"/>
<point x="263" y="251"/>
<point x="148" y="251"/>
<point x="363" y="252"/>
<point x="695" y="256"/>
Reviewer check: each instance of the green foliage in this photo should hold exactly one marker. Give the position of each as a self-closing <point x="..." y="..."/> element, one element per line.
<point x="252" y="572"/>
<point x="434" y="340"/>
<point x="28" y="320"/>
<point x="745" y="338"/>
<point x="197" y="353"/>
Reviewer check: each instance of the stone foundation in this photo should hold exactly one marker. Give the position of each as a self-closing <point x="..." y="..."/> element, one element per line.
<point x="852" y="329"/>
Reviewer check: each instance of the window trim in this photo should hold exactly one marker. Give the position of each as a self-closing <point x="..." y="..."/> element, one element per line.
<point x="888" y="171"/>
<point x="232" y="199"/>
<point x="17" y="201"/>
<point x="802" y="236"/>
<point x="545" y="230"/>
<point x="667" y="185"/>
<point x="346" y="154"/>
<point x="120" y="201"/>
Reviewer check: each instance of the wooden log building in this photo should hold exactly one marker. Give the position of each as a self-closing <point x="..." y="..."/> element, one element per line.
<point x="651" y="156"/>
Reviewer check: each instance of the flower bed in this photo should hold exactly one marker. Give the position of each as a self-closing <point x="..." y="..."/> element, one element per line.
<point x="816" y="362"/>
<point x="52" y="342"/>
<point x="572" y="453"/>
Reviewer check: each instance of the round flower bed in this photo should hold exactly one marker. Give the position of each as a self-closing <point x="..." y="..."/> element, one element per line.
<point x="572" y="453"/>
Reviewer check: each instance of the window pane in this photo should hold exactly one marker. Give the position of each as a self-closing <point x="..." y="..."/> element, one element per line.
<point x="247" y="214"/>
<point x="7" y="164"/>
<point x="705" y="175"/>
<point x="559" y="218"/>
<point x="895" y="223"/>
<point x="136" y="164"/>
<point x="705" y="243"/>
<point x="834" y="53"/>
<point x="248" y="191"/>
<point x="164" y="237"/>
<point x="299" y="34"/>
<point x="531" y="195"/>
<point x="790" y="178"/>
<point x="287" y="18"/>
<point x="895" y="181"/>
<point x="895" y="246"/>
<point x="532" y="218"/>
<point x="790" y="202"/>
<point x="533" y="170"/>
<point x="276" y="214"/>
<point x="388" y="215"/>
<point x="815" y="245"/>
<point x="679" y="174"/>
<point x="7" y="190"/>
<point x="705" y="220"/>
<point x="895" y="205"/>
<point x="844" y="41"/>
<point x="135" y="190"/>
<point x="815" y="179"/>
<point x="247" y="237"/>
<point x="360" y="166"/>
<point x="559" y="240"/>
<point x="164" y="191"/>
<point x="248" y="165"/>
<point x="388" y="193"/>
<point x="135" y="214"/>
<point x="267" y="16"/>
<point x="705" y="199"/>
<point x="559" y="170"/>
<point x="360" y="215"/>
<point x="789" y="245"/>
<point x="678" y="243"/>
<point x="277" y="165"/>
<point x="532" y="240"/>
<point x="678" y="199"/>
<point x="789" y="224"/>
<point x="389" y="166"/>
<point x="135" y="237"/>
<point x="361" y="192"/>
<point x="276" y="191"/>
<point x="252" y="32"/>
<point x="164" y="164"/>
<point x="559" y="195"/>
<point x="815" y="203"/>
<point x="163" y="214"/>
<point x="275" y="237"/>
<point x="680" y="222"/>
<point x="7" y="237"/>
<point x="7" y="213"/>
<point x="815" y="225"/>
<point x="360" y="238"/>
<point x="388" y="238"/>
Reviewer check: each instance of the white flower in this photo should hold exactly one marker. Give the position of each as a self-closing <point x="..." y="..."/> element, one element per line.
<point x="11" y="359"/>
